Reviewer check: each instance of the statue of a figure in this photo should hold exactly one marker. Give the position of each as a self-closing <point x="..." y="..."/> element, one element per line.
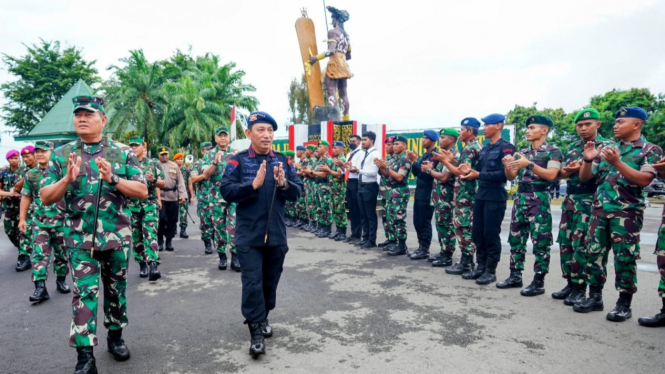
<point x="337" y="71"/>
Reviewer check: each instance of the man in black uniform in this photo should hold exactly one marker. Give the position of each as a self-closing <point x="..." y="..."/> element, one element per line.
<point x="422" y="207"/>
<point x="260" y="181"/>
<point x="490" y="205"/>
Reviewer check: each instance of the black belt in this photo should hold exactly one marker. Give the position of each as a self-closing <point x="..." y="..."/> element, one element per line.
<point x="582" y="189"/>
<point x="523" y="187"/>
<point x="170" y="189"/>
<point x="367" y="183"/>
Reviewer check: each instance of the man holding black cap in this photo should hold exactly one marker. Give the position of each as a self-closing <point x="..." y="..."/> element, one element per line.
<point x="173" y="194"/>
<point x="618" y="209"/>
<point x="260" y="181"/>
<point x="203" y="206"/>
<point x="422" y="207"/>
<point x="368" y="189"/>
<point x="536" y="167"/>
<point x="352" y="203"/>
<point x="490" y="205"/>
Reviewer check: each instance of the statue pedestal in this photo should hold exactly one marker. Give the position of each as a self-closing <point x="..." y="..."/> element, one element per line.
<point x="325" y="114"/>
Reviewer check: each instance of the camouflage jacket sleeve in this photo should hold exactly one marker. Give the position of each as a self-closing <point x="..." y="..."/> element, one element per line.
<point x="27" y="189"/>
<point x="157" y="170"/>
<point x="54" y="171"/>
<point x="653" y="154"/>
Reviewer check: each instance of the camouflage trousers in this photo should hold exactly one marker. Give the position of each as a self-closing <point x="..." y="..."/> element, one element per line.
<point x="660" y="258"/>
<point x="443" y="215"/>
<point x="535" y="220"/>
<point x="205" y="225"/>
<point x="111" y="265"/>
<point x="290" y="209"/>
<point x="339" y="207"/>
<point x="323" y="204"/>
<point x="301" y="213"/>
<point x="390" y="235"/>
<point x="463" y="218"/>
<point x="311" y="201"/>
<point x="622" y="235"/>
<point x="11" y="226"/>
<point x="26" y="238"/>
<point x="182" y="216"/>
<point x="224" y="226"/>
<point x="398" y="199"/>
<point x="573" y="241"/>
<point x="144" y="233"/>
<point x="48" y="240"/>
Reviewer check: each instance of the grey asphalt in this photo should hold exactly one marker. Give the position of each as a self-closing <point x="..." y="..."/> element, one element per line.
<point x="340" y="310"/>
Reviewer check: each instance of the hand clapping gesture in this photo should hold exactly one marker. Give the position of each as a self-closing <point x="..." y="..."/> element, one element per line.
<point x="279" y="174"/>
<point x="520" y="163"/>
<point x="573" y="167"/>
<point x="590" y="152"/>
<point x="260" y="176"/>
<point x="611" y="154"/>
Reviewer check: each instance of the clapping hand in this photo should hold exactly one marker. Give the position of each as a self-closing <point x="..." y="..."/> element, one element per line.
<point x="279" y="174"/>
<point x="612" y="155"/>
<point x="105" y="169"/>
<point x="413" y="156"/>
<point x="520" y="163"/>
<point x="425" y="166"/>
<point x="660" y="165"/>
<point x="464" y="168"/>
<point x="73" y="167"/>
<point x="573" y="167"/>
<point x="382" y="164"/>
<point x="260" y="176"/>
<point x="590" y="152"/>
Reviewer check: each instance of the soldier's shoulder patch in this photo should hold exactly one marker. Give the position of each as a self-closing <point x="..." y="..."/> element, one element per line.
<point x="231" y="166"/>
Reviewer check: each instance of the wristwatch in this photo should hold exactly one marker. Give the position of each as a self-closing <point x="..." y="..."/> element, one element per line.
<point x="114" y="180"/>
<point x="285" y="186"/>
<point x="429" y="171"/>
<point x="530" y="166"/>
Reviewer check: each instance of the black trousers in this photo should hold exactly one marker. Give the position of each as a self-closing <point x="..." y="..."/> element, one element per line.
<point x="354" y="208"/>
<point x="422" y="222"/>
<point x="487" y="218"/>
<point x="261" y="269"/>
<point x="367" y="194"/>
<point x="168" y="219"/>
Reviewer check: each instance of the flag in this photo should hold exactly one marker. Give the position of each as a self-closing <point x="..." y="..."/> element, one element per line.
<point x="233" y="123"/>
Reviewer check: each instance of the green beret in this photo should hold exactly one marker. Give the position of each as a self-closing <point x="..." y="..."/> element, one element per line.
<point x="324" y="142"/>
<point x="586" y="114"/>
<point x="290" y="153"/>
<point x="540" y="120"/>
<point x="449" y="131"/>
<point x="311" y="147"/>
<point x="135" y="140"/>
<point x="221" y="130"/>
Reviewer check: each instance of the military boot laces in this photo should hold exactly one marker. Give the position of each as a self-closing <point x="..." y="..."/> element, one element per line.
<point x="208" y="247"/>
<point x="154" y="272"/>
<point x="61" y="285"/>
<point x="86" y="361"/>
<point x="465" y="265"/>
<point x="222" y="261"/>
<point x="257" y="343"/>
<point x="235" y="264"/>
<point x="446" y="259"/>
<point x="116" y="346"/>
<point x="23" y="263"/>
<point x="266" y="329"/>
<point x="621" y="311"/>
<point x="486" y="278"/>
<point x="40" y="293"/>
<point x="565" y="292"/>
<point x="537" y="286"/>
<point x="513" y="281"/>
<point x="474" y="274"/>
<point x="594" y="303"/>
<point x="656" y="321"/>
<point x="143" y="270"/>
<point x="398" y="249"/>
<point x="577" y="296"/>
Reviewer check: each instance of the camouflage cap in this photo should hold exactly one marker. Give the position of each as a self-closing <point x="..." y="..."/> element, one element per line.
<point x="206" y="145"/>
<point x="222" y="130"/>
<point x="89" y="103"/>
<point x="44" y="145"/>
<point x="136" y="140"/>
<point x="163" y="150"/>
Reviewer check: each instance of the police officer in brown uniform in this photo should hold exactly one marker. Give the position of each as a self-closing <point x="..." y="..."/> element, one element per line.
<point x="173" y="194"/>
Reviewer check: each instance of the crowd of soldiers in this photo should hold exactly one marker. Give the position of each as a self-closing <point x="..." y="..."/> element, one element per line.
<point x="465" y="192"/>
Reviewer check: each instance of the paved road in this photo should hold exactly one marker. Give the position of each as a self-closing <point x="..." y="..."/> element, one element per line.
<point x="340" y="310"/>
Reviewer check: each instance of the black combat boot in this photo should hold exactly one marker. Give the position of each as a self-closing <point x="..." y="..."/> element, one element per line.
<point x="513" y="281"/>
<point x="464" y="266"/>
<point x="143" y="269"/>
<point x="208" y="246"/>
<point x="183" y="233"/>
<point x="621" y="311"/>
<point x="307" y="226"/>
<point x="390" y="246"/>
<point x="487" y="278"/>
<point x="435" y="257"/>
<point x="361" y="242"/>
<point x="593" y="303"/>
<point x="86" y="361"/>
<point x="333" y="234"/>
<point x="154" y="272"/>
<point x="420" y="254"/>
<point x="314" y="228"/>
<point x="474" y="274"/>
<point x="325" y="231"/>
<point x="257" y="343"/>
<point x="288" y="222"/>
<point x="368" y="245"/>
<point x="235" y="264"/>
<point x="266" y="329"/>
<point x="160" y="244"/>
<point x="446" y="259"/>
<point x="23" y="263"/>
<point x="61" y="285"/>
<point x="116" y="345"/>
<point x="222" y="261"/>
<point x="341" y="235"/>
<point x="169" y="246"/>
<point x="537" y="286"/>
<point x="577" y="296"/>
<point x="656" y="321"/>
<point x="40" y="293"/>
<point x="565" y="292"/>
<point x="398" y="249"/>
<point x="385" y="244"/>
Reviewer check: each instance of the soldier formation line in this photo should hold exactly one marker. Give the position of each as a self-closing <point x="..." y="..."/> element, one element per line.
<point x="89" y="202"/>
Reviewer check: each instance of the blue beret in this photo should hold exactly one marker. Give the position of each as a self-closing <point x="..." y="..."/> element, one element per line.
<point x="493" y="118"/>
<point x="261" y="117"/>
<point x="470" y="122"/>
<point x="432" y="135"/>
<point x="301" y="148"/>
<point x="338" y="144"/>
<point x="631" y="112"/>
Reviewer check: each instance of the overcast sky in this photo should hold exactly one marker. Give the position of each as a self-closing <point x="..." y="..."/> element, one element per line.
<point x="417" y="64"/>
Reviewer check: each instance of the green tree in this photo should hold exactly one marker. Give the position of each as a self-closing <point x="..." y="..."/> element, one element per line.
<point x="560" y="135"/>
<point x="44" y="75"/>
<point x="299" y="101"/>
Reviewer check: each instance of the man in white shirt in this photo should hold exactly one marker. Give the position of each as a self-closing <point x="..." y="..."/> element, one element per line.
<point x="352" y="192"/>
<point x="368" y="188"/>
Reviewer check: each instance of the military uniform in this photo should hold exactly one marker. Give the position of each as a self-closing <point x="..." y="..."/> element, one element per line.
<point x="339" y="200"/>
<point x="203" y="206"/>
<point x="311" y="194"/>
<point x="384" y="192"/>
<point x="465" y="195"/>
<point x="398" y="199"/>
<point x="323" y="196"/>
<point x="301" y="203"/>
<point x="442" y="201"/>
<point x="184" y="208"/>
<point x="11" y="206"/>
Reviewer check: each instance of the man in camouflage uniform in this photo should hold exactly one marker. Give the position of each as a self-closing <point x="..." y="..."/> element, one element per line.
<point x="465" y="194"/>
<point x="11" y="200"/>
<point x="223" y="213"/>
<point x="442" y="197"/>
<point x="310" y="188"/>
<point x="179" y="159"/>
<point x="338" y="192"/>
<point x="384" y="192"/>
<point x="25" y="238"/>
<point x="47" y="235"/>
<point x="623" y="171"/>
<point x="301" y="213"/>
<point x="202" y="186"/>
<point x="576" y="209"/>
<point x="323" y="188"/>
<point x="80" y="171"/>
<point x="398" y="177"/>
<point x="290" y="206"/>
<point x="536" y="167"/>
<point x="145" y="213"/>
